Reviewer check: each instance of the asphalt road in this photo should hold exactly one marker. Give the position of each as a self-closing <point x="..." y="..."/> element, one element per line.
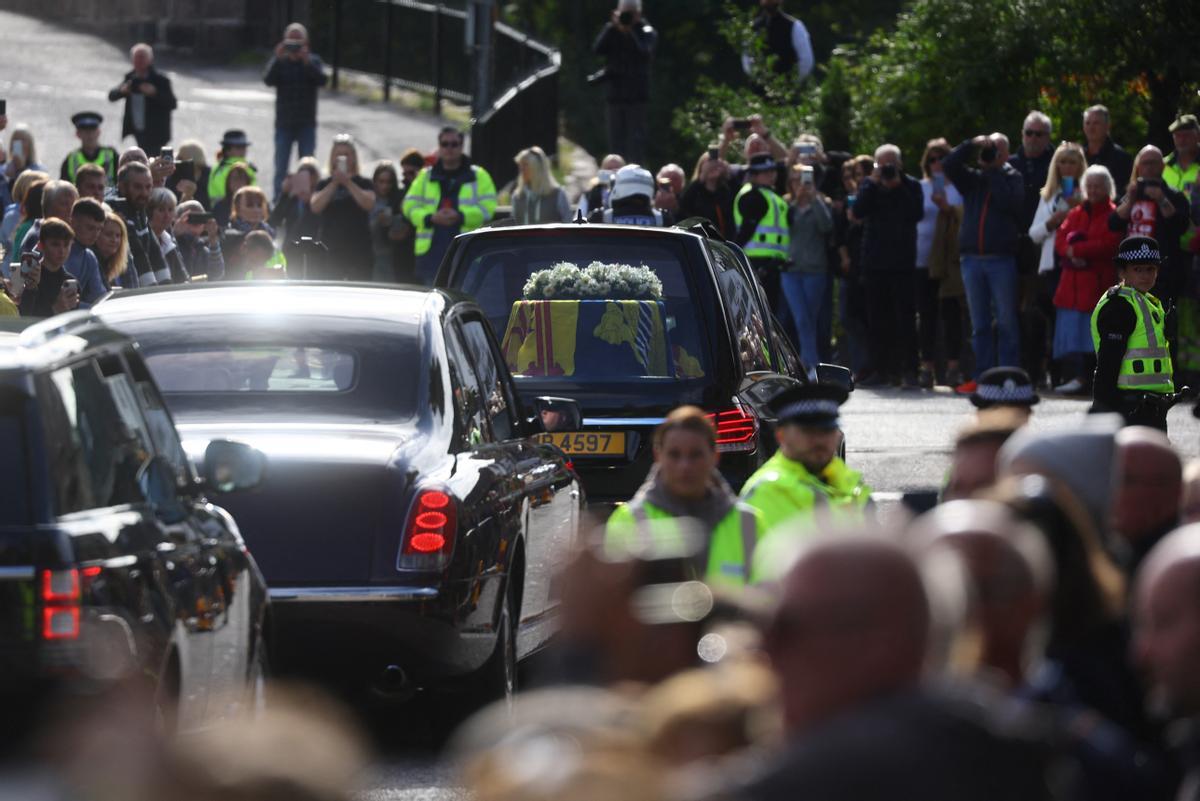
<point x="65" y="71"/>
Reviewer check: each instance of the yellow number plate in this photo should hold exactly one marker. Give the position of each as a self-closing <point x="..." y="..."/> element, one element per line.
<point x="586" y="443"/>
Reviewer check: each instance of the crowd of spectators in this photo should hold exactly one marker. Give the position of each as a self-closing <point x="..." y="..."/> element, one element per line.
<point x="913" y="273"/>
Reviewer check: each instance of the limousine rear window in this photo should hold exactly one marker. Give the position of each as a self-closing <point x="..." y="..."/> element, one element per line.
<point x="253" y="368"/>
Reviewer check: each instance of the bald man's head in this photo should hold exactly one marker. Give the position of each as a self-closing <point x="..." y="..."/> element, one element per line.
<point x="1147" y="501"/>
<point x="852" y="624"/>
<point x="1011" y="571"/>
<point x="1167" y="623"/>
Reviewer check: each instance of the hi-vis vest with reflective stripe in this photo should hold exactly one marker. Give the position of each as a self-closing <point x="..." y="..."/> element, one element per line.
<point x="220" y="174"/>
<point x="476" y="203"/>
<point x="771" y="237"/>
<point x="1147" y="363"/>
<point x="106" y="158"/>
<point x="731" y="546"/>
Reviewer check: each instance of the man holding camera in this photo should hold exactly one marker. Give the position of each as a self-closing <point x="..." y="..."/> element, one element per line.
<point x="890" y="204"/>
<point x="627" y="44"/>
<point x="993" y="199"/>
<point x="149" y="101"/>
<point x="296" y="73"/>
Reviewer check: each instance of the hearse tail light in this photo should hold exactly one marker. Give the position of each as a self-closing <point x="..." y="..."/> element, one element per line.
<point x="60" y="604"/>
<point x="737" y="430"/>
<point x="432" y="525"/>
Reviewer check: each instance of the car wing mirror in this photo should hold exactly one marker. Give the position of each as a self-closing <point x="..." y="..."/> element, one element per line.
<point x="233" y="466"/>
<point x="557" y="414"/>
<point x="837" y="375"/>
<point x="160" y="488"/>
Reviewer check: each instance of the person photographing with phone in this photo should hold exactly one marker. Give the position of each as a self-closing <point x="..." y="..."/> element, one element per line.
<point x="44" y="287"/>
<point x="627" y="45"/>
<point x="343" y="202"/>
<point x="297" y="75"/>
<point x="1153" y="209"/>
<point x="149" y="101"/>
<point x="993" y="203"/>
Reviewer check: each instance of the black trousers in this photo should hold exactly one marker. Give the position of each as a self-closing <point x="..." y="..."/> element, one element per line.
<point x="627" y="131"/>
<point x="892" y="322"/>
<point x="1037" y="326"/>
<point x="937" y="315"/>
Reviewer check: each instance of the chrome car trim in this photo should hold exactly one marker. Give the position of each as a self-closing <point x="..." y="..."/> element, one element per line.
<point x="356" y="595"/>
<point x="623" y="421"/>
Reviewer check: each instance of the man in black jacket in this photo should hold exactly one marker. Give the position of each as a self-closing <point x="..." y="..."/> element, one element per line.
<point x="1032" y="160"/>
<point x="993" y="199"/>
<point x="627" y="44"/>
<point x="890" y="204"/>
<point x="149" y="101"/>
<point x="134" y="184"/>
<point x="297" y="74"/>
<point x="1101" y="149"/>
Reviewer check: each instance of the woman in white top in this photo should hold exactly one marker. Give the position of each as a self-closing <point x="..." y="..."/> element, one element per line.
<point x="932" y="308"/>
<point x="538" y="197"/>
<point x="1063" y="191"/>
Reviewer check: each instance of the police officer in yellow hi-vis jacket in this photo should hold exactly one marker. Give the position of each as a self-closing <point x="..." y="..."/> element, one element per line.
<point x="684" y="483"/>
<point x="1134" y="375"/>
<point x="805" y="476"/>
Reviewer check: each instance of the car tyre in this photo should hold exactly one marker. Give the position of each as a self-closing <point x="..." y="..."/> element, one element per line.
<point x="256" y="682"/>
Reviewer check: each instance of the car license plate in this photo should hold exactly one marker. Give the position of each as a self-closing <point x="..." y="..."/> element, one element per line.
<point x="586" y="443"/>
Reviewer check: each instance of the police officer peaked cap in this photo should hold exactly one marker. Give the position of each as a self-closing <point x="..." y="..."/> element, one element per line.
<point x="814" y="404"/>
<point x="235" y="137"/>
<point x="762" y="162"/>
<point x="1139" y="250"/>
<point x="1004" y="386"/>
<point x="1185" y="122"/>
<point x="87" y="119"/>
<point x="632" y="180"/>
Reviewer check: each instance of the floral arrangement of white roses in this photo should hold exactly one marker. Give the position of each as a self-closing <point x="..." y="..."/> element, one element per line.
<point x="597" y="281"/>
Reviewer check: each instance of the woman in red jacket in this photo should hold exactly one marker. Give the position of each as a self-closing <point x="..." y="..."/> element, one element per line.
<point x="1085" y="248"/>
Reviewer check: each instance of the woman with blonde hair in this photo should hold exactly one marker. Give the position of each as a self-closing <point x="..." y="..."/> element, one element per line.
<point x="112" y="250"/>
<point x="15" y="214"/>
<point x="22" y="153"/>
<point x="538" y="197"/>
<point x="343" y="202"/>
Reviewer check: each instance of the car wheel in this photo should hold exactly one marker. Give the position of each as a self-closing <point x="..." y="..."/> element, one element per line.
<point x="497" y="679"/>
<point x="166" y="702"/>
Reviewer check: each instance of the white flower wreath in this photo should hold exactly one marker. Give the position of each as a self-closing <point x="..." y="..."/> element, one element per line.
<point x="597" y="281"/>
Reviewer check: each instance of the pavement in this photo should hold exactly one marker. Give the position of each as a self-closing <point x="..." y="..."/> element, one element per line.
<point x="61" y="71"/>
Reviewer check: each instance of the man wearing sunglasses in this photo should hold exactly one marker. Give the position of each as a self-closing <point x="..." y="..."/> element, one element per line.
<point x="449" y="198"/>
<point x="1032" y="160"/>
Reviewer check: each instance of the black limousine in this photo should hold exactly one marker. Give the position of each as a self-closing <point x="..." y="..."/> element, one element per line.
<point x="409" y="523"/>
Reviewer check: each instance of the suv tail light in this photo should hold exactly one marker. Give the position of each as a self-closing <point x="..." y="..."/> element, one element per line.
<point x="60" y="604"/>
<point x="432" y="528"/>
<point x="737" y="430"/>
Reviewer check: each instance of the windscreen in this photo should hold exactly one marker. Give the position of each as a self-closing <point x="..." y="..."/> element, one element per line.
<point x="599" y="337"/>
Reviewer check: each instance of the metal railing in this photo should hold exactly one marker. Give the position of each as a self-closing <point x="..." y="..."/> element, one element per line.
<point x="426" y="47"/>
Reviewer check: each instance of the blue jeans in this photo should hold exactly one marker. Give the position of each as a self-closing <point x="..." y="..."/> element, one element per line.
<point x="991" y="284"/>
<point x="305" y="139"/>
<point x="805" y="294"/>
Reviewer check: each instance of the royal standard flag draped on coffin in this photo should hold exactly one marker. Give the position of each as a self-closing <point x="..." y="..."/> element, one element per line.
<point x="611" y="337"/>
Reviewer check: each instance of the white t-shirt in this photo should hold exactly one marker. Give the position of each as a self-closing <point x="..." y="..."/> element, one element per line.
<point x="928" y="223"/>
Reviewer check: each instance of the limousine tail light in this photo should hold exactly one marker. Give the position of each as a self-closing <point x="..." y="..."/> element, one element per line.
<point x="60" y="604"/>
<point x="432" y="526"/>
<point x="737" y="430"/>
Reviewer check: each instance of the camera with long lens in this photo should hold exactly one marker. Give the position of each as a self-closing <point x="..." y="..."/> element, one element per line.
<point x="889" y="172"/>
<point x="625" y="18"/>
<point x="988" y="153"/>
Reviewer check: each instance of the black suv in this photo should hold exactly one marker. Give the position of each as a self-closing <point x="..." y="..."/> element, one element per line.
<point x="113" y="567"/>
<point x="711" y="341"/>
